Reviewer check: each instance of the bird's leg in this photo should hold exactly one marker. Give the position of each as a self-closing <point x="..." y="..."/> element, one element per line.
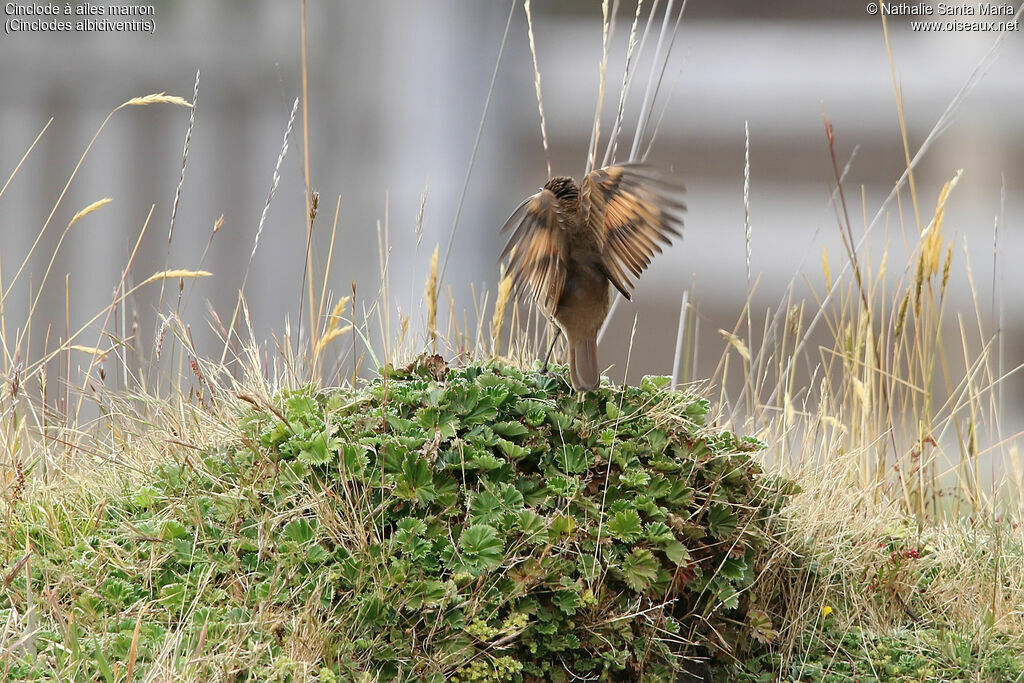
<point x="547" y="357"/>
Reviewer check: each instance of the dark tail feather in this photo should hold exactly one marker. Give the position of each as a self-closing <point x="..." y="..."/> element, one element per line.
<point x="583" y="362"/>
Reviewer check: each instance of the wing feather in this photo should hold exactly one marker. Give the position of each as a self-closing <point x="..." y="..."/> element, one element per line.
<point x="538" y="248"/>
<point x="633" y="209"/>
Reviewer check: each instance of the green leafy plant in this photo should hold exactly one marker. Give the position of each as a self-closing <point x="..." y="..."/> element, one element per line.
<point x="477" y="523"/>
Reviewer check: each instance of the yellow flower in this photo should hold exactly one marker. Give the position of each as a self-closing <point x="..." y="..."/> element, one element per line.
<point x="825" y="611"/>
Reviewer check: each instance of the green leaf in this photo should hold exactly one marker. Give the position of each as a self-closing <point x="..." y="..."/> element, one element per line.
<point x="299" y="531"/>
<point x="185" y="551"/>
<point x="567" y="601"/>
<point x="318" y="450"/>
<point x="172" y="529"/>
<point x="698" y="410"/>
<point x="394" y="456"/>
<point x="482" y="548"/>
<point x="635" y="478"/>
<point x="511" y="497"/>
<point x="513" y="451"/>
<point x="482" y="460"/>
<point x="294" y="472"/>
<point x="721" y="521"/>
<point x="533" y="410"/>
<point x="146" y="497"/>
<point x="561" y="526"/>
<point x="420" y="594"/>
<point x="654" y="382"/>
<point x="300" y="406"/>
<point x="658" y="440"/>
<point x="417" y="549"/>
<point x="510" y="430"/>
<point x="560" y="421"/>
<point x="482" y="435"/>
<point x="640" y="569"/>
<point x="677" y="553"/>
<point x="373" y="612"/>
<point x="118" y="592"/>
<point x="625" y="526"/>
<point x="565" y="487"/>
<point x="408" y="528"/>
<point x="751" y="443"/>
<point x="412" y="442"/>
<point x="679" y="495"/>
<point x="733" y="568"/>
<point x="659" y="534"/>
<point x="496" y="393"/>
<point x="486" y="507"/>
<point x="354" y="459"/>
<point x="658" y="486"/>
<point x="728" y="596"/>
<point x="399" y="425"/>
<point x="316" y="554"/>
<point x="416" y="480"/>
<point x="172" y="596"/>
<point x="463" y="399"/>
<point x="573" y="459"/>
<point x="449" y="426"/>
<point x="532" y="525"/>
<point x="276" y="434"/>
<point x="428" y="418"/>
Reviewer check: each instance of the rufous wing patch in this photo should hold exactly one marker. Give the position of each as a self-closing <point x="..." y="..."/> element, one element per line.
<point x="632" y="210"/>
<point x="538" y="248"/>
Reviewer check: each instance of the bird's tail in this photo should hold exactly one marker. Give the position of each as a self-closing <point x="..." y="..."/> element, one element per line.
<point x="583" y="362"/>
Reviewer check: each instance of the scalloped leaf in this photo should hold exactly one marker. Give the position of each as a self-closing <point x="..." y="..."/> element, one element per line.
<point x="625" y="526"/>
<point x="640" y="569"/>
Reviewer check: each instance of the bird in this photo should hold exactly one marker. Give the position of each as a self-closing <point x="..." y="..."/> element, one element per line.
<point x="572" y="245"/>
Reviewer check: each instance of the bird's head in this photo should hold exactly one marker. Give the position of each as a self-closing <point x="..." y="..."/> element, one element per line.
<point x="564" y="188"/>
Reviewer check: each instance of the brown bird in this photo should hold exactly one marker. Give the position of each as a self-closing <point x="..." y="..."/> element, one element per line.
<point x="572" y="243"/>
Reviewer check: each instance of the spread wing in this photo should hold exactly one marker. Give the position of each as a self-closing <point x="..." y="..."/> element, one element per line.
<point x="538" y="248"/>
<point x="633" y="209"/>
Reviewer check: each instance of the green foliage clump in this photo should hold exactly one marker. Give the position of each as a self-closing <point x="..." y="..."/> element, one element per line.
<point x="472" y="524"/>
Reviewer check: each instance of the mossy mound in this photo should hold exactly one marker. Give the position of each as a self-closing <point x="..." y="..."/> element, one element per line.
<point x="473" y="523"/>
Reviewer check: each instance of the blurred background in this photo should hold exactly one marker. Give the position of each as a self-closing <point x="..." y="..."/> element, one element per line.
<point x="396" y="94"/>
